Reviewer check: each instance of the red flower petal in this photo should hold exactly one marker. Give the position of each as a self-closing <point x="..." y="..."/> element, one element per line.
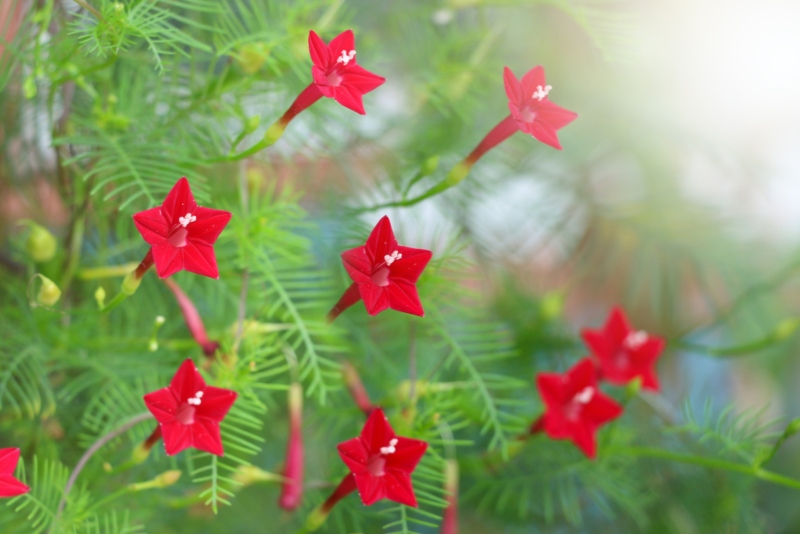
<point x="162" y="404"/>
<point x="370" y="488"/>
<point x="179" y="202"/>
<point x="320" y="55"/>
<point x="408" y="453"/>
<point x="532" y="80"/>
<point x="349" y="97"/>
<point x="11" y="487"/>
<point x="403" y="297"/>
<point x="177" y="437"/>
<point x="346" y="42"/>
<point x="151" y="225"/>
<point x="411" y="265"/>
<point x="209" y="224"/>
<point x="358" y="265"/>
<point x="512" y="85"/>
<point x="8" y="460"/>
<point x="187" y="382"/>
<point x="354" y="454"/>
<point x="199" y="258"/>
<point x="361" y="79"/>
<point x="554" y="116"/>
<point x="381" y="241"/>
<point x="543" y="133"/>
<point x="617" y="327"/>
<point x="216" y="403"/>
<point x="206" y="436"/>
<point x="168" y="260"/>
<point x="377" y="432"/>
<point x="398" y="488"/>
<point x="375" y="298"/>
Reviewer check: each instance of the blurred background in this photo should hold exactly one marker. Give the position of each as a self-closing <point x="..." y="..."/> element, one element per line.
<point x="676" y="195"/>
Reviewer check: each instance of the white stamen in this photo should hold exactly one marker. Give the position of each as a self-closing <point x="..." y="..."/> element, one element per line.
<point x="635" y="340"/>
<point x="390" y="449"/>
<point x="540" y="92"/>
<point x="584" y="395"/>
<point x="346" y="57"/>
<point x="186" y="220"/>
<point x="391" y="259"/>
<point x="195" y="401"/>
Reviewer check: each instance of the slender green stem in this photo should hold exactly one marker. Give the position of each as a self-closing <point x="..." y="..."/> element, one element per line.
<point x="89" y="8"/>
<point x="711" y="463"/>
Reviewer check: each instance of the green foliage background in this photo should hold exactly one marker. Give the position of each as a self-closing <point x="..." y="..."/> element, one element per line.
<point x="105" y="110"/>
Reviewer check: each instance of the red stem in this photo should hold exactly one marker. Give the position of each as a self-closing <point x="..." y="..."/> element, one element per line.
<point x="304" y="100"/>
<point x="505" y="129"/>
<point x="537" y="426"/>
<point x="350" y="297"/>
<point x="192" y="318"/>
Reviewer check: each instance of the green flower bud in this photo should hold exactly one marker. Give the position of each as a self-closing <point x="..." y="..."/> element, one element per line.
<point x="429" y="166"/>
<point x="251" y="124"/>
<point x="41" y="244"/>
<point x="49" y="293"/>
<point x="252" y="56"/>
<point x="100" y="296"/>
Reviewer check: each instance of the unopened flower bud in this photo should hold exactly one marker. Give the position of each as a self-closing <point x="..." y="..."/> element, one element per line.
<point x="247" y="475"/>
<point x="429" y="166"/>
<point x="41" y="244"/>
<point x="165" y="479"/>
<point x="251" y="124"/>
<point x="49" y="293"/>
<point x="100" y="296"/>
<point x="252" y="56"/>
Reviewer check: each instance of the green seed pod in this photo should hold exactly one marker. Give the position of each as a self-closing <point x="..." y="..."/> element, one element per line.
<point x="49" y="293"/>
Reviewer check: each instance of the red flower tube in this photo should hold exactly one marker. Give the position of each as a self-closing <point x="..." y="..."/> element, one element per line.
<point x="357" y="389"/>
<point x="193" y="320"/>
<point x="292" y="488"/>
<point x="450" y="519"/>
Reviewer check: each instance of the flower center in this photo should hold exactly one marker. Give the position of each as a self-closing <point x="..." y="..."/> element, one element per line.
<point x="635" y="340"/>
<point x="541" y="92"/>
<point x="377" y="465"/>
<point x="390" y="259"/>
<point x="346" y="57"/>
<point x="186" y="220"/>
<point x="574" y="408"/>
<point x="381" y="277"/>
<point x="527" y="114"/>
<point x="177" y="238"/>
<point x="185" y="415"/>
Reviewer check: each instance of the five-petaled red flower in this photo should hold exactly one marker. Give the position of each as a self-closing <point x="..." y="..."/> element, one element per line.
<point x="189" y="411"/>
<point x="624" y="353"/>
<point x="382" y="462"/>
<point x="531" y="108"/>
<point x="9" y="485"/>
<point x="384" y="274"/>
<point x="336" y="72"/>
<point x="181" y="233"/>
<point x="575" y="407"/>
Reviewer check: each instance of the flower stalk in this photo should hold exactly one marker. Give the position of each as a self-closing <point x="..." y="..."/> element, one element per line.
<point x="356" y="388"/>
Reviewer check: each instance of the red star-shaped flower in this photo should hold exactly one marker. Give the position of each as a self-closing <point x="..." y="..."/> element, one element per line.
<point x="624" y="353"/>
<point x="575" y="407"/>
<point x="9" y="485"/>
<point x="382" y="462"/>
<point x="189" y="411"/>
<point x="181" y="233"/>
<point x="384" y="274"/>
<point x="531" y="108"/>
<point x="336" y="72"/>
